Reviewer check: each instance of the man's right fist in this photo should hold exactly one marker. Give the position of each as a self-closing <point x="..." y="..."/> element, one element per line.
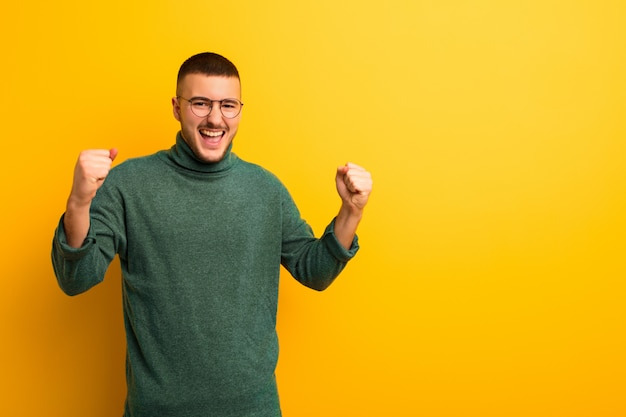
<point x="91" y="169"/>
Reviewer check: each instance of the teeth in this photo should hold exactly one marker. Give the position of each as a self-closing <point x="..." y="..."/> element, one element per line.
<point x="211" y="134"/>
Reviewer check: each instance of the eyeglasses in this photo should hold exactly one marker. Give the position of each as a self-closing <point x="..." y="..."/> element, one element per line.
<point x="201" y="107"/>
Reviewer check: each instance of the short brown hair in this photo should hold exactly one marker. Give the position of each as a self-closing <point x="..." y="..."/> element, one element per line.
<point x="207" y="63"/>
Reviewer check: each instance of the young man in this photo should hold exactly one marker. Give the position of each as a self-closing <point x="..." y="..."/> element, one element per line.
<point x="201" y="235"/>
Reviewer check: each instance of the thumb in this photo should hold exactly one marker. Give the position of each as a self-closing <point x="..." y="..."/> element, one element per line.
<point x="113" y="153"/>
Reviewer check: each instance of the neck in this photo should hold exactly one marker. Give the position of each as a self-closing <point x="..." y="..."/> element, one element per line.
<point x="182" y="155"/>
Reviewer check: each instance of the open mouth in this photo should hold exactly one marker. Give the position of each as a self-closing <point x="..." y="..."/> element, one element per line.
<point x="212" y="135"/>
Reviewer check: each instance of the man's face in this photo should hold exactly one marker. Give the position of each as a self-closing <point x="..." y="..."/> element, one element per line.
<point x="208" y="137"/>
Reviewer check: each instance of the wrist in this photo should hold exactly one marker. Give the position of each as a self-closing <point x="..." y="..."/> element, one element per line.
<point x="77" y="204"/>
<point x="351" y="210"/>
<point x="349" y="215"/>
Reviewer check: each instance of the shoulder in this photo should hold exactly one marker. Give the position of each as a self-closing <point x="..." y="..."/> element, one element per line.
<point x="257" y="173"/>
<point x="135" y="165"/>
<point x="133" y="173"/>
<point x="260" y="181"/>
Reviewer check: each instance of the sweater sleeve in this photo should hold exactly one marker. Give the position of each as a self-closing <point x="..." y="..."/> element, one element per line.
<point x="314" y="262"/>
<point x="79" y="269"/>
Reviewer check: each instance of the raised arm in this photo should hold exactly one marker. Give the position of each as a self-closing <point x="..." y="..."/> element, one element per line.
<point x="90" y="171"/>
<point x="354" y="185"/>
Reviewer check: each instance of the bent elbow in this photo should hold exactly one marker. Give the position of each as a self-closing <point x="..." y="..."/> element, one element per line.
<point x="319" y="284"/>
<point x="72" y="289"/>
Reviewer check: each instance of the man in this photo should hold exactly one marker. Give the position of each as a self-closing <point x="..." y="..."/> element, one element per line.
<point x="200" y="235"/>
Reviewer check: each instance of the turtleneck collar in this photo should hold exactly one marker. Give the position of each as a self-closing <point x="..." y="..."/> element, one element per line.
<point x="182" y="155"/>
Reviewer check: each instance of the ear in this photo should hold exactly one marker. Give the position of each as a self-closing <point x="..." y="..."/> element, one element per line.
<point x="176" y="108"/>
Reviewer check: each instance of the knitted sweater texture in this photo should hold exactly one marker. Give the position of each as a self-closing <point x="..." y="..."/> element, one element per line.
<point x="200" y="247"/>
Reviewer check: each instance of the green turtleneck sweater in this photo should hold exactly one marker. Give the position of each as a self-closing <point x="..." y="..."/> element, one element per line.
<point x="200" y="247"/>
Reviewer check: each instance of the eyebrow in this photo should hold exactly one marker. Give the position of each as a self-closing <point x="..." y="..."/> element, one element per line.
<point x="207" y="99"/>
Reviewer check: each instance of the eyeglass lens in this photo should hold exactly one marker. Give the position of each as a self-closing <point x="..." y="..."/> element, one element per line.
<point x="202" y="108"/>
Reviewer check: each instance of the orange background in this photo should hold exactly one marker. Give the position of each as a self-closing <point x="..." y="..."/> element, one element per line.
<point x="491" y="280"/>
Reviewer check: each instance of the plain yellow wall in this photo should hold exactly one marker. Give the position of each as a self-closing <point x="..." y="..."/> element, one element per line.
<point x="491" y="280"/>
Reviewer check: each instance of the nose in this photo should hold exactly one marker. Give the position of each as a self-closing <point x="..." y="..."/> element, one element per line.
<point x="216" y="112"/>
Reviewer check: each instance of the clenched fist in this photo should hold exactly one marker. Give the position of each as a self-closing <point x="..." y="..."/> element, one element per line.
<point x="90" y="171"/>
<point x="354" y="185"/>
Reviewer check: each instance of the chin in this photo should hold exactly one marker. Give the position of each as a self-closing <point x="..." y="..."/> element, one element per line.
<point x="213" y="157"/>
